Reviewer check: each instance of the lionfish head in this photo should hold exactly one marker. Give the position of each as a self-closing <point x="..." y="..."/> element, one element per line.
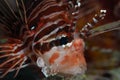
<point x="65" y="59"/>
<point x="44" y="31"/>
<point x="56" y="41"/>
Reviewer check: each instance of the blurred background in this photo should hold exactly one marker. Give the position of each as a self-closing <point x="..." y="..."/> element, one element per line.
<point x="102" y="52"/>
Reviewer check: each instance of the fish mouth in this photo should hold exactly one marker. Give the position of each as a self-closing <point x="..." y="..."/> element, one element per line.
<point x="65" y="61"/>
<point x="47" y="71"/>
<point x="80" y="70"/>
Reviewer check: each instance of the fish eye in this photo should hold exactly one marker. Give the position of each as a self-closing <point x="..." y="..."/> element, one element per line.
<point x="63" y="40"/>
<point x="59" y="42"/>
<point x="32" y="28"/>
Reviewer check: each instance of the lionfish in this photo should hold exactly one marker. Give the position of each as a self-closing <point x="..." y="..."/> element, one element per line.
<point x="44" y="33"/>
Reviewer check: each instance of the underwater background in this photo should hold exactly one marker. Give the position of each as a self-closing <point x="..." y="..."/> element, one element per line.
<point x="102" y="52"/>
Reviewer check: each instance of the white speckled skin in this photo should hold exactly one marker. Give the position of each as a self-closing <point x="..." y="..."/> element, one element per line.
<point x="65" y="60"/>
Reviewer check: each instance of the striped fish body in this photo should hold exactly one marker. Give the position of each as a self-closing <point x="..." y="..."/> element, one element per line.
<point x="45" y="35"/>
<point x="58" y="46"/>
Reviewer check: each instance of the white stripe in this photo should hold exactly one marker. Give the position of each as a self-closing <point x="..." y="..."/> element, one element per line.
<point x="95" y="20"/>
<point x="52" y="33"/>
<point x="47" y="5"/>
<point x="53" y="14"/>
<point x="43" y="39"/>
<point x="36" y="15"/>
<point x="47" y="25"/>
<point x="42" y="2"/>
<point x="43" y="8"/>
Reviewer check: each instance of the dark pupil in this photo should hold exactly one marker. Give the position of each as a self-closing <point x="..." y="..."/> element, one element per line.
<point x="57" y="42"/>
<point x="63" y="40"/>
<point x="32" y="27"/>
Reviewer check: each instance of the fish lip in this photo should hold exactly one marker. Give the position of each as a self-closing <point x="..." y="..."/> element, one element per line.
<point x="49" y="71"/>
<point x="71" y="50"/>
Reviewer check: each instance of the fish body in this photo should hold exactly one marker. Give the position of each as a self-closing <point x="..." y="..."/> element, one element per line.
<point x="43" y="32"/>
<point x="45" y="36"/>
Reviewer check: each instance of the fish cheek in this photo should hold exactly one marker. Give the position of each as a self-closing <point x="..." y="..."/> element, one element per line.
<point x="54" y="57"/>
<point x="69" y="61"/>
<point x="74" y="56"/>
